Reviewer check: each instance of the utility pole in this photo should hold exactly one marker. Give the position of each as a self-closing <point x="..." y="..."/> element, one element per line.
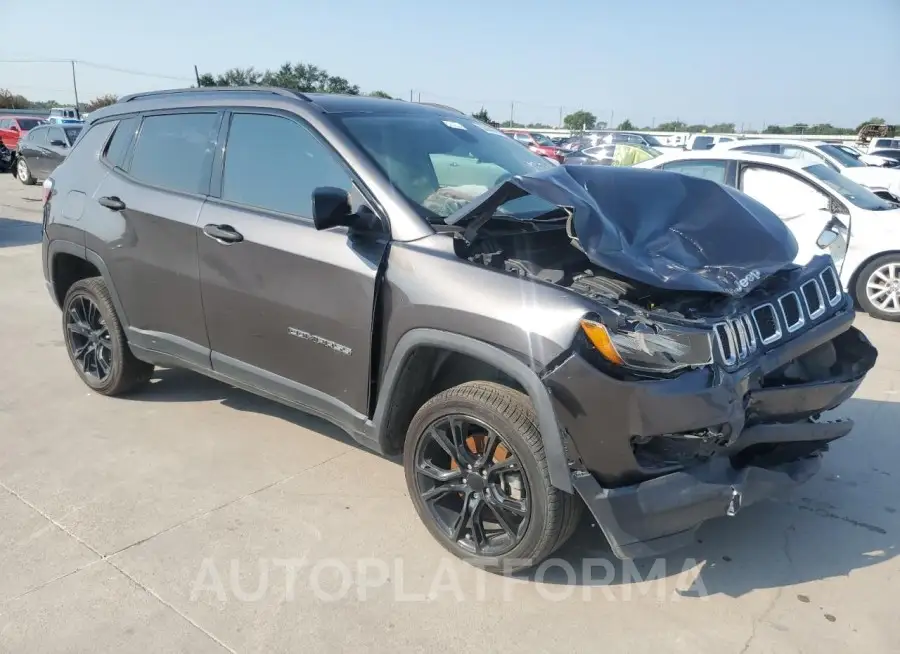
<point x="197" y="75"/>
<point x="560" y="117"/>
<point x="611" y="115"/>
<point x="653" y="123"/>
<point x="411" y="95"/>
<point x="75" y="87"/>
<point x="420" y="98"/>
<point x="512" y="106"/>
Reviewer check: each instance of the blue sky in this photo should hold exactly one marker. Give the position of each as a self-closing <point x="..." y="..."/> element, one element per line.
<point x="747" y="61"/>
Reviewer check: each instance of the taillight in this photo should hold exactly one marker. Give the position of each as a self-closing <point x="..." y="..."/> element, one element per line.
<point x="47" y="191"/>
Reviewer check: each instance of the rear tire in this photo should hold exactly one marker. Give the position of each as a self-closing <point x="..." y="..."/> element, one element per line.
<point x="877" y="288"/>
<point x="23" y="172"/>
<point x="514" y="516"/>
<point x="96" y="341"/>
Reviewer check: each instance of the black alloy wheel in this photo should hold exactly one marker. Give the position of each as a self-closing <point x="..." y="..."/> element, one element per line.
<point x="473" y="486"/>
<point x="88" y="338"/>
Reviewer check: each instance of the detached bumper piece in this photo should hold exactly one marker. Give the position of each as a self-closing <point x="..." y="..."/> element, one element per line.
<point x="661" y="515"/>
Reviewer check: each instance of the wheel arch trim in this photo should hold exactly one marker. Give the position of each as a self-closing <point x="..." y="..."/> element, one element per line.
<point x="557" y="463"/>
<point x="59" y="246"/>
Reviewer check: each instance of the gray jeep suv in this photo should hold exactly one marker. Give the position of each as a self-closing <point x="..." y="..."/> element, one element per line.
<point x="532" y="338"/>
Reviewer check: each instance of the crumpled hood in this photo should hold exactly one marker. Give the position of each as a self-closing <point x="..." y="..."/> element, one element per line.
<point x="659" y="228"/>
<point x="874" y="176"/>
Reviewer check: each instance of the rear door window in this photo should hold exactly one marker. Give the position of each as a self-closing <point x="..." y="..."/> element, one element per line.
<point x="703" y="143"/>
<point x="763" y="148"/>
<point x="175" y="151"/>
<point x="120" y="141"/>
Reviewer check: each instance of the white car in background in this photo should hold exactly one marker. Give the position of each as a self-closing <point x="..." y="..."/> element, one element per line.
<point x="884" y="182"/>
<point x="868" y="159"/>
<point x="825" y="210"/>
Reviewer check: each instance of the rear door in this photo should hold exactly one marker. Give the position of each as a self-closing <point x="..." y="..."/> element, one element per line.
<point x="31" y="148"/>
<point x="804" y="208"/>
<point x="145" y="214"/>
<point x="288" y="308"/>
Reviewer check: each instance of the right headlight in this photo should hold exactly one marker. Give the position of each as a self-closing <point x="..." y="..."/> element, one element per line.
<point x="650" y="347"/>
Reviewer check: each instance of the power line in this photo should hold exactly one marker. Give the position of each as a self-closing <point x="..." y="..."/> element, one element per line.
<point x="93" y="64"/>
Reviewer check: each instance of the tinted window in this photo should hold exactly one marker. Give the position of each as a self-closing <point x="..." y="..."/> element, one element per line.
<point x="121" y="139"/>
<point x="803" y="154"/>
<point x="56" y="134"/>
<point x="703" y="143"/>
<point x="274" y="163"/>
<point x="37" y="136"/>
<point x="29" y="123"/>
<point x="770" y="148"/>
<point x="175" y="151"/>
<point x="72" y="134"/>
<point x="711" y="170"/>
<point x="882" y="143"/>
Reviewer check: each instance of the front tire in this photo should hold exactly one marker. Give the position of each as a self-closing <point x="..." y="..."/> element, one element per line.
<point x="23" y="172"/>
<point x="96" y="341"/>
<point x="477" y="475"/>
<point x="878" y="288"/>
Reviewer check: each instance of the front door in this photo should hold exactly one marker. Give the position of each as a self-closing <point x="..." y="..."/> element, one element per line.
<point x="288" y="308"/>
<point x="805" y="209"/>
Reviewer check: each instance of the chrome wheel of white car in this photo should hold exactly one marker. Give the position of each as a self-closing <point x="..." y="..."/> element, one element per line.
<point x="878" y="288"/>
<point x="883" y="288"/>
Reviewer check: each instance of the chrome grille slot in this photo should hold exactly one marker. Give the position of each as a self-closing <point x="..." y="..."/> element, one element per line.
<point x="751" y="333"/>
<point x="812" y="297"/>
<point x="726" y="340"/>
<point x="793" y="312"/>
<point x="767" y="323"/>
<point x="832" y="286"/>
<point x="741" y="338"/>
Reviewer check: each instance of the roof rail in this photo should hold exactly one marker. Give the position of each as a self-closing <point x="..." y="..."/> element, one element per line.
<point x="206" y="89"/>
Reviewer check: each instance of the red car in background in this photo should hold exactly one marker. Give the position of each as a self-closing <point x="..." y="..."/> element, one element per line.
<point x="13" y="127"/>
<point x="539" y="144"/>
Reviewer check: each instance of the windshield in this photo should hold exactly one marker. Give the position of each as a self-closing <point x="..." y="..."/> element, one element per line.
<point x="858" y="195"/>
<point x="540" y="139"/>
<point x="441" y="164"/>
<point x="846" y="160"/>
<point x="652" y="140"/>
<point x="29" y="123"/>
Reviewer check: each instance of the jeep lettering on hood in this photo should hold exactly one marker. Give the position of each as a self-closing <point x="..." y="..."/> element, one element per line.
<point x="658" y="228"/>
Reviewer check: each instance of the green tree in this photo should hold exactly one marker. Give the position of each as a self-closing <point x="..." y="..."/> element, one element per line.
<point x="579" y="120"/>
<point x="484" y="117"/>
<point x="626" y="126"/>
<point x="510" y="123"/>
<point x="381" y="94"/>
<point x="672" y="126"/>
<point x="774" y="129"/>
<point x="305" y="78"/>
<point x="10" y="100"/>
<point x="99" y="102"/>
<point x="722" y="128"/>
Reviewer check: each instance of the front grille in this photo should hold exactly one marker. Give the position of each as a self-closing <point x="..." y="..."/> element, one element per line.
<point x="740" y="337"/>
<point x="831" y="285"/>
<point x="793" y="312"/>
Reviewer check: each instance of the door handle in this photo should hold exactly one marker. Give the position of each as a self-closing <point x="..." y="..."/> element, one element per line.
<point x="225" y="234"/>
<point x="112" y="203"/>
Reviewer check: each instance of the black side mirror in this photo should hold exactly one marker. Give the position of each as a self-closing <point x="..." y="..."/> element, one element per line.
<point x="331" y="208"/>
<point x="59" y="144"/>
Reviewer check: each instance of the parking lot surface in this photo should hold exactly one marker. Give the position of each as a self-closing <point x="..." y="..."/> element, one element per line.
<point x="193" y="517"/>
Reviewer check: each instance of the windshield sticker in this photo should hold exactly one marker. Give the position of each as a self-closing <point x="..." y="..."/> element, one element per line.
<point x="454" y="125"/>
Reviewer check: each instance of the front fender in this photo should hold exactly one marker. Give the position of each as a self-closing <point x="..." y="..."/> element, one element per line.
<point x="557" y="461"/>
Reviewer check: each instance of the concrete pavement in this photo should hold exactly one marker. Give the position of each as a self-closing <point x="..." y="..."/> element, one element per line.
<point x="194" y="517"/>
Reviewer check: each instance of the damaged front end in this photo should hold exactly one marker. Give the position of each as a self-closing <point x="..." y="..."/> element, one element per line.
<point x="697" y="384"/>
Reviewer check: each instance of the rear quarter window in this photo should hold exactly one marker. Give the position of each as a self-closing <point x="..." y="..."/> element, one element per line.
<point x="118" y="145"/>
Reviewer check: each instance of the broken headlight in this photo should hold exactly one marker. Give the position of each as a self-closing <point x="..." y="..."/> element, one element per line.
<point x="650" y="347"/>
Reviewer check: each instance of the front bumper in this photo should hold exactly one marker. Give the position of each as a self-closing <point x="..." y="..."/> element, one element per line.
<point x="772" y="441"/>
